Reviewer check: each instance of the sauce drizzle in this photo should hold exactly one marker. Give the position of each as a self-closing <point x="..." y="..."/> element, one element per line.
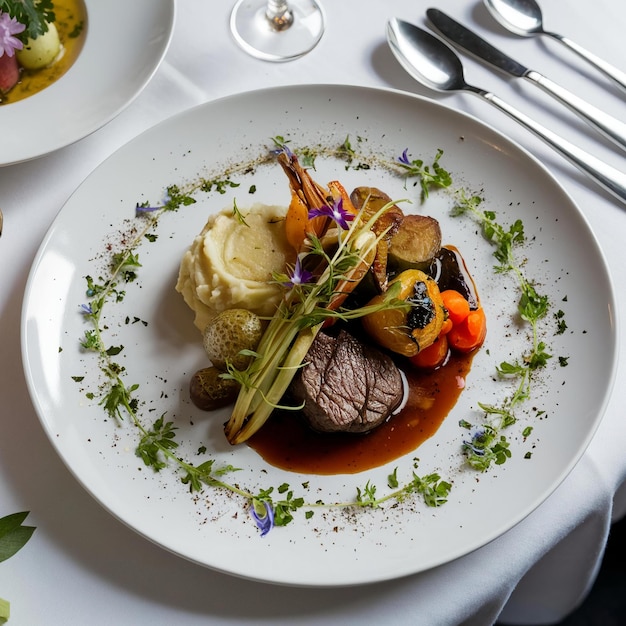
<point x="287" y="442"/>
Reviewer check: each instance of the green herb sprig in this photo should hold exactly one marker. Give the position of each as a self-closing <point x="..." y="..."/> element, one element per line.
<point x="429" y="176"/>
<point x="489" y="445"/>
<point x="431" y="487"/>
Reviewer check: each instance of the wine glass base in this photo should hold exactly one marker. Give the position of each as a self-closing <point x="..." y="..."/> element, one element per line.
<point x="256" y="35"/>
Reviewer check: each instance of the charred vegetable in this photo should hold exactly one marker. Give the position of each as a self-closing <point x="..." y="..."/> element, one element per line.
<point x="416" y="242"/>
<point x="209" y="391"/>
<point x="448" y="269"/>
<point x="407" y="331"/>
<point x="370" y="200"/>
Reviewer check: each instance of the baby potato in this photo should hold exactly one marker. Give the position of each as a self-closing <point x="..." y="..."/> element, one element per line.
<point x="230" y="332"/>
<point x="40" y="52"/>
<point x="208" y="391"/>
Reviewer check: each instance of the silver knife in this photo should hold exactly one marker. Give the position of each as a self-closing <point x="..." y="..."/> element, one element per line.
<point x="474" y="44"/>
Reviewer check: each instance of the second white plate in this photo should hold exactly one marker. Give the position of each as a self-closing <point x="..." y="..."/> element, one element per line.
<point x="125" y="43"/>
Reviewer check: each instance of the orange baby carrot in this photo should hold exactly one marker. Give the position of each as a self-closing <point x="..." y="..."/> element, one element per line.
<point x="296" y="221"/>
<point x="457" y="306"/>
<point x="470" y="333"/>
<point x="433" y="356"/>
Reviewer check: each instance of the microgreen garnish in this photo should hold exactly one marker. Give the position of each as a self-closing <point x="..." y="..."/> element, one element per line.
<point x="429" y="175"/>
<point x="432" y="488"/>
<point x="237" y="214"/>
<point x="488" y="444"/>
<point x="218" y="184"/>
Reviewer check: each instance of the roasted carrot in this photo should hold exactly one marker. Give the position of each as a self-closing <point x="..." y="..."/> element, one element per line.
<point x="338" y="191"/>
<point x="458" y="307"/>
<point x="433" y="356"/>
<point x="298" y="224"/>
<point x="296" y="221"/>
<point x="470" y="333"/>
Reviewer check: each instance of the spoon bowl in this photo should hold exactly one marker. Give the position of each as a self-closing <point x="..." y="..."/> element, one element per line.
<point x="522" y="17"/>
<point x="424" y="57"/>
<point x="435" y="65"/>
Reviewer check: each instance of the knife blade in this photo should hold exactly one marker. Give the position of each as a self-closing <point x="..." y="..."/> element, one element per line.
<point x="467" y="40"/>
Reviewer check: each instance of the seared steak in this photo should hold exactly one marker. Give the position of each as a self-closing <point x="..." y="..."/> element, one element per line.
<point x="347" y="386"/>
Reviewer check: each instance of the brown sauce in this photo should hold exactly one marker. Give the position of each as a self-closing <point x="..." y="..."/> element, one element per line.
<point x="70" y="23"/>
<point x="287" y="442"/>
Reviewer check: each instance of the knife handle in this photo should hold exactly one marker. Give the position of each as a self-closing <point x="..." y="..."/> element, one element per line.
<point x="609" y="126"/>
<point x="606" y="176"/>
<point x="616" y="75"/>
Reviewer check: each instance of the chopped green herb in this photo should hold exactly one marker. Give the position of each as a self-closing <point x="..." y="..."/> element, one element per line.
<point x="237" y="214"/>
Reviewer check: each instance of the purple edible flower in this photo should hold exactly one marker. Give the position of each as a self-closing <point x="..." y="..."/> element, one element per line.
<point x="336" y="212"/>
<point x="405" y="157"/>
<point x="139" y="209"/>
<point x="282" y="147"/>
<point x="86" y="308"/>
<point x="475" y="444"/>
<point x="264" y="519"/>
<point x="9" y="26"/>
<point x="299" y="276"/>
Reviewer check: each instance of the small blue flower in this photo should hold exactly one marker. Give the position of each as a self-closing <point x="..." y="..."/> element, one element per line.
<point x="282" y="147"/>
<point x="298" y="276"/>
<point x="263" y="514"/>
<point x="140" y="209"/>
<point x="86" y="308"/>
<point x="477" y="443"/>
<point x="336" y="212"/>
<point x="405" y="157"/>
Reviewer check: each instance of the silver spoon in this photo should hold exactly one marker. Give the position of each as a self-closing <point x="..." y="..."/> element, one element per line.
<point x="523" y="17"/>
<point x="435" y="65"/>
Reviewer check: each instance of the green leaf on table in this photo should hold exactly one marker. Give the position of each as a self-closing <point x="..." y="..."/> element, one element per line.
<point x="5" y="611"/>
<point x="13" y="536"/>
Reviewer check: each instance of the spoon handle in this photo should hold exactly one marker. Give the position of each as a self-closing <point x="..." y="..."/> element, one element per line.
<point x="607" y="69"/>
<point x="611" y="127"/>
<point x="606" y="176"/>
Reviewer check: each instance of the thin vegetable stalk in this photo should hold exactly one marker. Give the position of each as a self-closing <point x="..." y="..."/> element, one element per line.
<point x="293" y="329"/>
<point x="308" y="303"/>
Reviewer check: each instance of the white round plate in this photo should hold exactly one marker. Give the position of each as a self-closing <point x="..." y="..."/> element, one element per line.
<point x="124" y="45"/>
<point x="161" y="347"/>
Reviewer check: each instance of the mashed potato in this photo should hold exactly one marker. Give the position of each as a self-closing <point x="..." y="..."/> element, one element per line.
<point x="230" y="263"/>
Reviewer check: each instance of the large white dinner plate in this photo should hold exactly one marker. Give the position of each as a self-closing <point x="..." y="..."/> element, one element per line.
<point x="162" y="348"/>
<point x="124" y="44"/>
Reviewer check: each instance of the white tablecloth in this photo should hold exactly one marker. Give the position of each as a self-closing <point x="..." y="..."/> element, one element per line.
<point x="82" y="566"/>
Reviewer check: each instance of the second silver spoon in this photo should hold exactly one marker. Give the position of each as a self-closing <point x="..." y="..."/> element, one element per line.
<point x="434" y="64"/>
<point x="524" y="18"/>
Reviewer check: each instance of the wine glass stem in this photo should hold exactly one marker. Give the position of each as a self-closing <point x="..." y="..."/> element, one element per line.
<point x="278" y="14"/>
